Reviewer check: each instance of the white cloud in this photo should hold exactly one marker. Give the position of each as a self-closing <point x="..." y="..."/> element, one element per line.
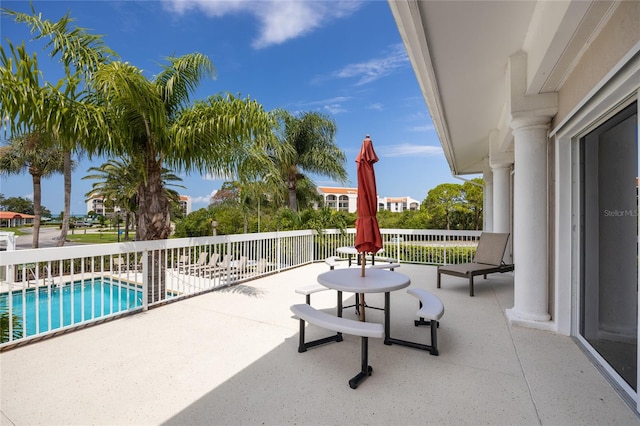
<point x="334" y="108"/>
<point x="408" y="150"/>
<point x="375" y="106"/>
<point x="337" y="99"/>
<point x="210" y="8"/>
<point x="332" y="105"/>
<point x="425" y="128"/>
<point x="279" y="20"/>
<point x="203" y="199"/>
<point x="374" y="69"/>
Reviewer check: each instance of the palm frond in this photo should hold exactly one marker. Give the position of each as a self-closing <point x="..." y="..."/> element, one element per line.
<point x="180" y="78"/>
<point x="220" y="135"/>
<point x="76" y="47"/>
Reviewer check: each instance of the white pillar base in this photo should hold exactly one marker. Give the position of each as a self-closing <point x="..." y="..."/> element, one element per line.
<point x="521" y="319"/>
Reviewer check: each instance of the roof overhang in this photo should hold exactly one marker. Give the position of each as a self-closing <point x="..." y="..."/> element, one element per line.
<point x="460" y="53"/>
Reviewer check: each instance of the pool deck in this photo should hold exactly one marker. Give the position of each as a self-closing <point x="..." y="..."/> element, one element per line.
<point x="229" y="357"/>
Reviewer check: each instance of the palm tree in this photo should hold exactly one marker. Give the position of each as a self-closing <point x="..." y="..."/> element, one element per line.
<point x="307" y="194"/>
<point x="122" y="112"/>
<point x="310" y="137"/>
<point x="62" y="110"/>
<point x="117" y="187"/>
<point x="151" y="121"/>
<point x="36" y="154"/>
<point x="118" y="182"/>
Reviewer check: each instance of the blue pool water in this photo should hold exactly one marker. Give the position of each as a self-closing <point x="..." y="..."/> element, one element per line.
<point x="71" y="304"/>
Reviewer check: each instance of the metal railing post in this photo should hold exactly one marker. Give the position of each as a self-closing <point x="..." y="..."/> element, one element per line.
<point x="145" y="280"/>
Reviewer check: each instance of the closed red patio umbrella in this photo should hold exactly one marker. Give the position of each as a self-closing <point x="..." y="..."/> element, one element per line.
<point x="368" y="238"/>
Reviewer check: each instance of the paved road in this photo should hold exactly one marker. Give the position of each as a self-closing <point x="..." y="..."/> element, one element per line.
<point x="48" y="238"/>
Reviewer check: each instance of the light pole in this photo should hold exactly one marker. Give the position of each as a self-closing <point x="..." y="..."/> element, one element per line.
<point x="214" y="225"/>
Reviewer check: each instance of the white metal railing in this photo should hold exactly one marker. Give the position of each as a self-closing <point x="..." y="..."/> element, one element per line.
<point x="428" y="246"/>
<point x="44" y="291"/>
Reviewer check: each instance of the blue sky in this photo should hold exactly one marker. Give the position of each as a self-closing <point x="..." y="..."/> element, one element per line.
<point x="345" y="59"/>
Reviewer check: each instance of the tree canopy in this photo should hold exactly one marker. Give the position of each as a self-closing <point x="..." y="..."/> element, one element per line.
<point x="455" y="206"/>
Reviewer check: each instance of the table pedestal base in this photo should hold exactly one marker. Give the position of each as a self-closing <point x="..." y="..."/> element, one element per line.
<point x="303" y="346"/>
<point x="365" y="369"/>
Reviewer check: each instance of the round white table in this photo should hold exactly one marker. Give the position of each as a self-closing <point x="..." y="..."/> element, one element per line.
<point x="351" y="251"/>
<point x="374" y="281"/>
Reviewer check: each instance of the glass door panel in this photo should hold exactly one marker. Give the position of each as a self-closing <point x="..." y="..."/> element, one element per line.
<point x="609" y="288"/>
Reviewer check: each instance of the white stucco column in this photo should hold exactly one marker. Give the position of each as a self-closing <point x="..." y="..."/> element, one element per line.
<point x="530" y="298"/>
<point x="500" y="161"/>
<point x="487" y="212"/>
<point x="502" y="204"/>
<point x="530" y="116"/>
<point x="501" y="197"/>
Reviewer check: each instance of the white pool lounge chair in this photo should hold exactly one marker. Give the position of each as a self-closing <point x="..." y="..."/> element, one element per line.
<point x="202" y="259"/>
<point x="210" y="271"/>
<point x="211" y="264"/>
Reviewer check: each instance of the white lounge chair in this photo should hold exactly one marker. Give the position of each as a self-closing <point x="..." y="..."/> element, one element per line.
<point x="211" y="270"/>
<point x="192" y="267"/>
<point x="211" y="264"/>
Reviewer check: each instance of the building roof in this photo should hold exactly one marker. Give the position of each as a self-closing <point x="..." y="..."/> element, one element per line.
<point x="336" y="190"/>
<point x="14" y="215"/>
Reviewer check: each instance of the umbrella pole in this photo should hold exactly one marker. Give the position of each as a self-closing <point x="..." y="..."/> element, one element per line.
<point x="362" y="304"/>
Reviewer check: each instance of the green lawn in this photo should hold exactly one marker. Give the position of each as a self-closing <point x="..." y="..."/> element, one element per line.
<point x="96" y="237"/>
<point x="82" y="235"/>
<point x="17" y="231"/>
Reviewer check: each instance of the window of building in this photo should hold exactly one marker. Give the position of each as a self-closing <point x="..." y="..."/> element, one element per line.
<point x="331" y="201"/>
<point x="343" y="203"/>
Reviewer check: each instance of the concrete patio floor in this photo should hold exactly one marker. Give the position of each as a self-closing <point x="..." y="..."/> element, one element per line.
<point x="230" y="357"/>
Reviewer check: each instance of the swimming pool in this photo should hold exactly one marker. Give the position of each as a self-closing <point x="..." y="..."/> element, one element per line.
<point x="38" y="310"/>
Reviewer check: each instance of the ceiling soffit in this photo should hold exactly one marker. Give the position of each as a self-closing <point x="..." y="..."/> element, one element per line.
<point x="460" y="50"/>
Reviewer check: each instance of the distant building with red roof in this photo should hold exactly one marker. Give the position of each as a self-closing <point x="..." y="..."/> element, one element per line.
<point x="345" y="199"/>
<point x="13" y="219"/>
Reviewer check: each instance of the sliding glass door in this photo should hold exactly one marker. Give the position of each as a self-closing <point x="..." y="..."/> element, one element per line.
<point x="609" y="258"/>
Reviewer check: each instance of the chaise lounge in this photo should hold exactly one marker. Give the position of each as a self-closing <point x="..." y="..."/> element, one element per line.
<point x="487" y="260"/>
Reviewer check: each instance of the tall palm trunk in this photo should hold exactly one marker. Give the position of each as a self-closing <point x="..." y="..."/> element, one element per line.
<point x="37" y="207"/>
<point x="67" y="198"/>
<point x="291" y="186"/>
<point x="293" y="200"/>
<point x="153" y="214"/>
<point x="127" y="225"/>
<point x="154" y="224"/>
